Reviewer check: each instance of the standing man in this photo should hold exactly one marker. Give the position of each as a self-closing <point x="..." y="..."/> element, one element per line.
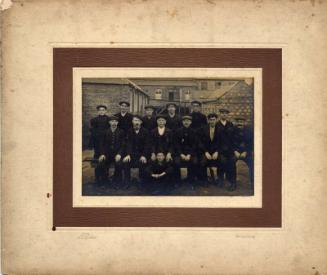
<point x="185" y="149"/>
<point x="149" y="120"/>
<point x="173" y="120"/>
<point x="209" y="146"/>
<point x="137" y="152"/>
<point x="198" y="119"/>
<point x="112" y="149"/>
<point x="227" y="166"/>
<point x="243" y="145"/>
<point x="98" y="128"/>
<point x="124" y="117"/>
<point x="161" y="138"/>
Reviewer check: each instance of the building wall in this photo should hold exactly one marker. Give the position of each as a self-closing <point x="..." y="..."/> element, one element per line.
<point x="109" y="95"/>
<point x="239" y="101"/>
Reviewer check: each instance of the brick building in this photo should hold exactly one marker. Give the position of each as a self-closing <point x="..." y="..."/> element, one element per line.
<point x="96" y="91"/>
<point x="239" y="100"/>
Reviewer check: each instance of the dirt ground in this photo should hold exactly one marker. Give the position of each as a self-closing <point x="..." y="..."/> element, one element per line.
<point x="92" y="189"/>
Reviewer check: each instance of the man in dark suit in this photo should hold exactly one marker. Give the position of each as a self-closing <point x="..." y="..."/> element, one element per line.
<point x="173" y="120"/>
<point x="243" y="145"/>
<point x="137" y="149"/>
<point x="198" y="119"/>
<point x="161" y="138"/>
<point x="149" y="120"/>
<point x="98" y="128"/>
<point x="124" y="117"/>
<point x="227" y="166"/>
<point x="158" y="174"/>
<point x="112" y="150"/>
<point x="209" y="146"/>
<point x="185" y="149"/>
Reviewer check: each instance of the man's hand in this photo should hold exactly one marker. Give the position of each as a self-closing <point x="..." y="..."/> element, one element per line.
<point x="153" y="156"/>
<point x="208" y="156"/>
<point x="102" y="158"/>
<point x="154" y="176"/>
<point x="183" y="157"/>
<point x="117" y="158"/>
<point x="169" y="157"/>
<point x="243" y="155"/>
<point x="127" y="158"/>
<point x="143" y="159"/>
<point x="215" y="156"/>
<point x="188" y="157"/>
<point x="237" y="154"/>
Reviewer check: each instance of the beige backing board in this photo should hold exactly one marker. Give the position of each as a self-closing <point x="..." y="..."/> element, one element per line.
<point x="30" y="29"/>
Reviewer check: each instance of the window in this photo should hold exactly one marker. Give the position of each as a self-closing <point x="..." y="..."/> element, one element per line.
<point x="171" y="96"/>
<point x="204" y="85"/>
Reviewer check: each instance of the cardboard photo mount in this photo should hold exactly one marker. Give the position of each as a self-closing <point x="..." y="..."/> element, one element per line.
<point x="268" y="59"/>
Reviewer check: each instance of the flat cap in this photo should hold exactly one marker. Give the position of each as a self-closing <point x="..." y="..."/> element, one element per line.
<point x="124" y="102"/>
<point x="149" y="107"/>
<point x="101" y="106"/>
<point x="239" y="118"/>
<point x="187" y="117"/>
<point x="222" y="110"/>
<point x="113" y="118"/>
<point x="196" y="102"/>
<point x="161" y="116"/>
<point x="138" y="117"/>
<point x="212" y="115"/>
<point x="171" y="104"/>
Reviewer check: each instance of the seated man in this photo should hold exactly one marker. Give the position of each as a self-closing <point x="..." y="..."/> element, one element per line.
<point x="209" y="143"/>
<point x="111" y="150"/>
<point x="158" y="174"/>
<point x="137" y="152"/>
<point x="243" y="145"/>
<point x="185" y="149"/>
<point x="161" y="138"/>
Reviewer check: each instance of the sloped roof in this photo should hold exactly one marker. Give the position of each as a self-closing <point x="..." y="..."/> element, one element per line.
<point x="114" y="81"/>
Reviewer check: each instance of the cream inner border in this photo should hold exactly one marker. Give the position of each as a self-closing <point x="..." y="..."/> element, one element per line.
<point x="165" y="201"/>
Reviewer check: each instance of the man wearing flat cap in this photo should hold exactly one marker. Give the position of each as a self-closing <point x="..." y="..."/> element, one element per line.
<point x="98" y="128"/>
<point x="209" y="146"/>
<point x="124" y="117"/>
<point x="185" y="141"/>
<point x="149" y="120"/>
<point x="173" y="120"/>
<point x="161" y="138"/>
<point x="243" y="145"/>
<point x="198" y="119"/>
<point x="227" y="166"/>
<point x="137" y="149"/>
<point x="112" y="150"/>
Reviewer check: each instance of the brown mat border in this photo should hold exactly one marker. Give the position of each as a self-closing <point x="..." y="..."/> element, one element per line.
<point x="64" y="59"/>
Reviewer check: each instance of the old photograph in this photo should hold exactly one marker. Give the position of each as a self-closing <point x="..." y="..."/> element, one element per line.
<point x="168" y="137"/>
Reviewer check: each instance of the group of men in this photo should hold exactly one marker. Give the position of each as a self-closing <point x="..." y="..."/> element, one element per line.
<point x="159" y="146"/>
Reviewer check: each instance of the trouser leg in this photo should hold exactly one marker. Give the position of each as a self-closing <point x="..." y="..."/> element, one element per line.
<point x="202" y="174"/>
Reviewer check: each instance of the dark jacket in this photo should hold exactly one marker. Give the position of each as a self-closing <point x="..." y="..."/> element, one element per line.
<point x="98" y="128"/>
<point x="149" y="123"/>
<point x="164" y="142"/>
<point x="155" y="168"/>
<point x="243" y="139"/>
<point x="137" y="144"/>
<point x="173" y="123"/>
<point x="185" y="141"/>
<point x="226" y="134"/>
<point x="198" y="120"/>
<point x="205" y="143"/>
<point x="124" y="122"/>
<point x="113" y="143"/>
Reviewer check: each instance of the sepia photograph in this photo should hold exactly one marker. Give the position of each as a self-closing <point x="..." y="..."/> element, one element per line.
<point x="167" y="136"/>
